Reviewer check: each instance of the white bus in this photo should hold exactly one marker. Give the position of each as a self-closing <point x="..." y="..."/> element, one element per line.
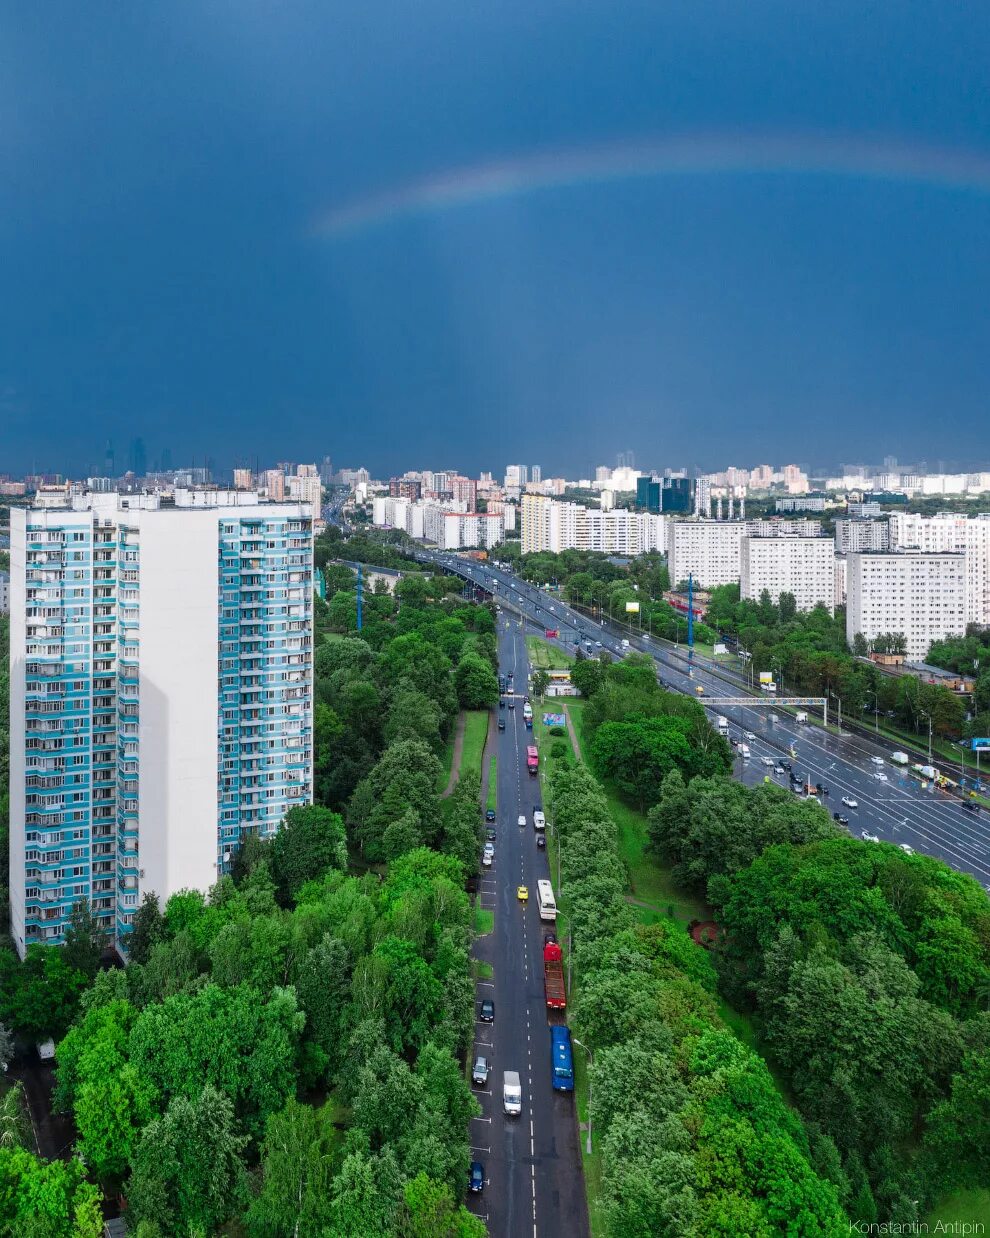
<point x="544" y="897"/>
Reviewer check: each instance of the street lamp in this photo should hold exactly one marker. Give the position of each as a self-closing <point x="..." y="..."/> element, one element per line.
<point x="575" y="1041"/>
<point x="926" y="713"/>
<point x="836" y="697"/>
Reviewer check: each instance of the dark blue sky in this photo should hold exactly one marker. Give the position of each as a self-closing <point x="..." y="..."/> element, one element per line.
<point x="167" y="268"/>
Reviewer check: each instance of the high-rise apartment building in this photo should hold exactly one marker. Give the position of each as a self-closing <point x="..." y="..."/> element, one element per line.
<point x="243" y="479"/>
<point x="920" y="595"/>
<point x="706" y="550"/>
<point x="160" y="697"/>
<point x="801" y="566"/>
<point x="862" y="534"/>
<point x="948" y="531"/>
<point x="547" y="524"/>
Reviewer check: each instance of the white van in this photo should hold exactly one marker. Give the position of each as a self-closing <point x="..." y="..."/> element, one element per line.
<point x="511" y="1093"/>
<point x="539" y="820"/>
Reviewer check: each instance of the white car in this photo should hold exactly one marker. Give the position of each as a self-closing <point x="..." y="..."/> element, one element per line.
<point x="767" y="760"/>
<point x="487" y="858"/>
<point x="522" y="823"/>
<point x="880" y="776"/>
<point x="868" y="838"/>
<point x="877" y="760"/>
<point x="850" y="802"/>
<point x="906" y="849"/>
<point x="749" y="735"/>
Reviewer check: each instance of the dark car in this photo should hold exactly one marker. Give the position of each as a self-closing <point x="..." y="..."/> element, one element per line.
<point x="490" y="834"/>
<point x="785" y="765"/>
<point x="489" y="814"/>
<point x="541" y="843"/>
<point x="512" y="704"/>
<point x="549" y="939"/>
<point x="501" y="724"/>
<point x="501" y="702"/>
<point x="971" y="806"/>
<point x="820" y="789"/>
<point x="837" y="816"/>
<point x="487" y="1012"/>
<point x="476" y="1178"/>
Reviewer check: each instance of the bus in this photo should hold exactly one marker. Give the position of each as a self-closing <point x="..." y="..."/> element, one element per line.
<point x="544" y="897"/>
<point x="562" y="1059"/>
<point x="532" y="760"/>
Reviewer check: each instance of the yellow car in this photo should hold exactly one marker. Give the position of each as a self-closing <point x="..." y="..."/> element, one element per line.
<point x="522" y="894"/>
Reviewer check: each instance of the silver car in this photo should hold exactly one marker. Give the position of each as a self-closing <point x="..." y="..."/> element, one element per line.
<point x="480" y="1071"/>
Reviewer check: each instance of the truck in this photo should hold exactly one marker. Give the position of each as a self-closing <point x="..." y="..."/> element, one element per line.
<point x="928" y="771"/>
<point x="553" y="977"/>
<point x="511" y="1093"/>
<point x="552" y="633"/>
<point x="723" y="725"/>
<point x="532" y="763"/>
<point x="625" y="643"/>
<point x="743" y="751"/>
<point x="800" y="716"/>
<point x="527" y="710"/>
<point x="900" y="758"/>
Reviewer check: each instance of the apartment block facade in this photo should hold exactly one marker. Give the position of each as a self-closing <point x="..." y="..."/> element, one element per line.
<point x="161" y="697"/>
<point x="802" y="566"/>
<point x="920" y="595"/>
<point x="548" y="525"/>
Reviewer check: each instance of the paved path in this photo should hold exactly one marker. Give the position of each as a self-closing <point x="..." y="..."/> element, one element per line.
<point x="455" y="764"/>
<point x="573" y="734"/>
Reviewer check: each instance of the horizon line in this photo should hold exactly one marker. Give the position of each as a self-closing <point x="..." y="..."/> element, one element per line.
<point x="698" y="154"/>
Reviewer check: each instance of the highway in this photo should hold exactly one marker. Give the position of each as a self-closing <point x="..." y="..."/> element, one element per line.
<point x="534" y="1179"/>
<point x="896" y="808"/>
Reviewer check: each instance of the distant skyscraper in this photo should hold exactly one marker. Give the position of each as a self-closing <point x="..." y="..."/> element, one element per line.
<point x="535" y="473"/>
<point x="139" y="458"/>
<point x="326" y="471"/>
<point x="109" y="468"/>
<point x="160" y="697"/>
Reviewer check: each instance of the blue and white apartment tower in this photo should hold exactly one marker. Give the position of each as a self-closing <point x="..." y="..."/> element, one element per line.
<point x="161" y="696"/>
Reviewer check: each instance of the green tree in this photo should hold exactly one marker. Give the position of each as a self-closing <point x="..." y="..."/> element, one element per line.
<point x="40" y="996"/>
<point x="476" y="682"/>
<point x="367" y="1194"/>
<point x="186" y="1171"/>
<point x="84" y="940"/>
<point x="587" y="675"/>
<point x="310" y="841"/>
<point x="404" y="778"/>
<point x="148" y="929"/>
<point x="297" y="1162"/>
<point x="541" y="681"/>
<point x="431" y="1211"/>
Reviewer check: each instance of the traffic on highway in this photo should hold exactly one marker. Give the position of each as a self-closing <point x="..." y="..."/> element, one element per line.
<point x="883" y="800"/>
<point x="526" y="1175"/>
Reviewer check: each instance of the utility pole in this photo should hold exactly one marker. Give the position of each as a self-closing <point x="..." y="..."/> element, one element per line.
<point x="574" y="1040"/>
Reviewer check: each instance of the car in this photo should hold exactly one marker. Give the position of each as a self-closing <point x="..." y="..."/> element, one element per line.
<point x="850" y="802"/>
<point x="501" y="702"/>
<point x="598" y="644"/>
<point x="971" y="806"/>
<point x="487" y="1012"/>
<point x="749" y="735"/>
<point x="487" y="858"/>
<point x="501" y="724"/>
<point x="476" y="1177"/>
<point x="489" y="814"/>
<point x="867" y="837"/>
<point x="785" y="765"/>
<point x="877" y="760"/>
<point x="767" y="760"/>
<point x="480" y="1071"/>
<point x="821" y="789"/>
<point x="779" y="769"/>
<point x="522" y="894"/>
<point x="906" y="849"/>
<point x="521" y="821"/>
<point x="541" y="843"/>
<point x="880" y="776"/>
<point x="837" y="816"/>
<point x="512" y="704"/>
<point x="490" y="833"/>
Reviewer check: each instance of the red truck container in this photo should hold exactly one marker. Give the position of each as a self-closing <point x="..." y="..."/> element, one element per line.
<point x="552" y="633"/>
<point x="553" y="976"/>
<point x="533" y="760"/>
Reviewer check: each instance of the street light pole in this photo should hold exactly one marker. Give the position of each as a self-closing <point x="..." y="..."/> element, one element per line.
<point x="574" y="1040"/>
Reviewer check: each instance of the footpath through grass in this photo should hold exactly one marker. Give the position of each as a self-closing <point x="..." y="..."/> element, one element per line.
<point x="492" y="800"/>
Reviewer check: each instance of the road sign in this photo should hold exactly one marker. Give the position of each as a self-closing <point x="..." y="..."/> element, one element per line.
<point x="979" y="745"/>
<point x="632" y="608"/>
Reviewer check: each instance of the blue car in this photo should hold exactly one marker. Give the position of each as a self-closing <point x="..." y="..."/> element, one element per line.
<point x="476" y="1179"/>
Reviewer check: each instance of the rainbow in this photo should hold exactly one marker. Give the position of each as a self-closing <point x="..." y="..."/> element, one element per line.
<point x="676" y="156"/>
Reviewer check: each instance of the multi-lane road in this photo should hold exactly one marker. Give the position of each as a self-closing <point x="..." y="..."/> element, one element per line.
<point x="897" y="808"/>
<point x="534" y="1184"/>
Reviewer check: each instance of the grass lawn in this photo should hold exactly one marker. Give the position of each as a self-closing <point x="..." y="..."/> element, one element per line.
<point x="475" y="734"/>
<point x="492" y="801"/>
<point x="592" y="1164"/>
<point x="484" y="921"/>
<point x="972" y="1206"/>
<point x="543" y="656"/>
<point x="485" y="970"/>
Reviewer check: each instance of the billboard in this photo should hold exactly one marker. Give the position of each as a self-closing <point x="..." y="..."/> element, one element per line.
<point x="980" y="745"/>
<point x="766" y="676"/>
<point x="632" y="608"/>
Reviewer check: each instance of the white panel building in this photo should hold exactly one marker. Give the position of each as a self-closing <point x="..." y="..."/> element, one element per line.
<point x="948" y="531"/>
<point x="917" y="594"/>
<point x="549" y="525"/>
<point x="707" y="550"/>
<point x="802" y="566"/>
<point x="863" y="534"/>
